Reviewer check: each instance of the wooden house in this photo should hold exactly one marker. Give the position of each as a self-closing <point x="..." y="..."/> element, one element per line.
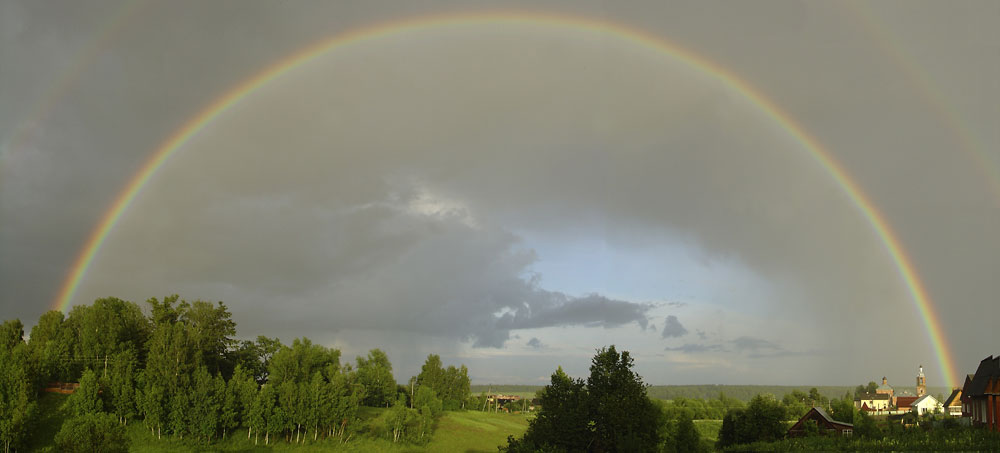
<point x="982" y="394"/>
<point x="825" y="424"/>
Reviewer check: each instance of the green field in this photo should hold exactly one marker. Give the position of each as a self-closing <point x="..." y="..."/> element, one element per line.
<point x="468" y="431"/>
<point x="708" y="429"/>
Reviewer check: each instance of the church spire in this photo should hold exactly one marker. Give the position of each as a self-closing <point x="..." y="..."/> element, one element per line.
<point x="921" y="382"/>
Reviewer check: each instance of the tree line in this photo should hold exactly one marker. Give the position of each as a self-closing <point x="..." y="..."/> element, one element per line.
<point x="180" y="371"/>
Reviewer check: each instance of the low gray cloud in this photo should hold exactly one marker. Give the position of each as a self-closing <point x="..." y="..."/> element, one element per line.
<point x="551" y="308"/>
<point x="673" y="328"/>
<point x="701" y="334"/>
<point x="694" y="348"/>
<point x="758" y="348"/>
<point x="754" y="344"/>
<point x="535" y="343"/>
<point x="782" y="353"/>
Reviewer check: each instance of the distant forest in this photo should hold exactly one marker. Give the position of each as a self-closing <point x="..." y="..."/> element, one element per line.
<point x="710" y="391"/>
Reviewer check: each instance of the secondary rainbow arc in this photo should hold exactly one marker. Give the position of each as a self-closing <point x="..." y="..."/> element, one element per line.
<point x="891" y="242"/>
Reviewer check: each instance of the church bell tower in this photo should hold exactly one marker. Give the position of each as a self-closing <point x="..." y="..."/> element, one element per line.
<point x="921" y="382"/>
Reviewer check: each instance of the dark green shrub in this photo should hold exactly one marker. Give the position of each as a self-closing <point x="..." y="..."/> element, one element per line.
<point x="92" y="432"/>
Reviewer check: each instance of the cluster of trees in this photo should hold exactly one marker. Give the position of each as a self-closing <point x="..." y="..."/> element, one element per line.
<point x="701" y="409"/>
<point x="763" y="420"/>
<point x="740" y="392"/>
<point x="796" y="404"/>
<point x="608" y="412"/>
<point x="17" y="402"/>
<point x="418" y="404"/>
<point x="766" y="419"/>
<point x="182" y="372"/>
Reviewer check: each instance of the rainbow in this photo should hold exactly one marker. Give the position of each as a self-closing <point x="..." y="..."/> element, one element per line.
<point x="706" y="67"/>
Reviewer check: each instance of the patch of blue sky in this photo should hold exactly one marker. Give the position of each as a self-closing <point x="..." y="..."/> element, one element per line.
<point x="660" y="271"/>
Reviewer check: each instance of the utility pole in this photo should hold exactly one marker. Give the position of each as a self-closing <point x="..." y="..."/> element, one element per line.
<point x="412" y="381"/>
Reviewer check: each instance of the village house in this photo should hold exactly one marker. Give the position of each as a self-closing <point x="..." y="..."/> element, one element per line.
<point x="824" y="423"/>
<point x="981" y="395"/>
<point x="953" y="404"/>
<point x="873" y="402"/>
<point x="966" y="402"/>
<point x="926" y="404"/>
<point x="905" y="403"/>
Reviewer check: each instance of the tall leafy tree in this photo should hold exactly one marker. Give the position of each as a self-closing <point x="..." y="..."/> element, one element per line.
<point x="346" y="395"/>
<point x="51" y="347"/>
<point x="205" y="404"/>
<point x="17" y="405"/>
<point x="432" y="374"/>
<point x="610" y="412"/>
<point x="87" y="398"/>
<point x="11" y="334"/>
<point x="451" y="384"/>
<point x="375" y="373"/>
<point x="105" y="328"/>
<point x="843" y="410"/>
<point x="235" y="407"/>
<point x="624" y="417"/>
<point x="121" y="385"/>
<point x="153" y="407"/>
<point x="179" y="417"/>
<point x="211" y="330"/>
<point x="563" y="423"/>
<point x="297" y="363"/>
<point x="262" y="414"/>
<point x="686" y="438"/>
<point x="287" y="407"/>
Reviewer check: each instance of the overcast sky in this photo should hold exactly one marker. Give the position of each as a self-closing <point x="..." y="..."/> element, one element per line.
<point x="513" y="196"/>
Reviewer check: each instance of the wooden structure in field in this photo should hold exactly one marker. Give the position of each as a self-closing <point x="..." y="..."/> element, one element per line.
<point x="64" y="388"/>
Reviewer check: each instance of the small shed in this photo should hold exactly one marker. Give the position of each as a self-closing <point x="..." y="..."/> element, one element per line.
<point x="826" y="424"/>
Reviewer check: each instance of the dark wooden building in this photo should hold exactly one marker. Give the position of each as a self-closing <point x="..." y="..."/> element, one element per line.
<point x="981" y="394"/>
<point x="826" y="424"/>
<point x="65" y="388"/>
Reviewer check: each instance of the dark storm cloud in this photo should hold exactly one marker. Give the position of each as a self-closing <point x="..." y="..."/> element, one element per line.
<point x="673" y="328"/>
<point x="306" y="207"/>
<point x="535" y="343"/>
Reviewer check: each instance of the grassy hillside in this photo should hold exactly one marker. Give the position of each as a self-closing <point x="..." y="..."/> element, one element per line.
<point x="476" y="431"/>
<point x="456" y="431"/>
